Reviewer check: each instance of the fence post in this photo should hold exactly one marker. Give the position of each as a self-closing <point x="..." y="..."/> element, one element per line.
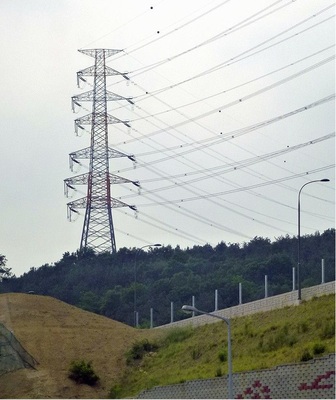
<point x="171" y="312"/>
<point x="216" y="300"/>
<point x="293" y="279"/>
<point x="240" y="294"/>
<point x="322" y="267"/>
<point x="266" y="286"/>
<point x="193" y="304"/>
<point x="151" y="318"/>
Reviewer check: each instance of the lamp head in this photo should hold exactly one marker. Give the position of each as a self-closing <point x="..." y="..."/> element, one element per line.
<point x="189" y="308"/>
<point x="325" y="180"/>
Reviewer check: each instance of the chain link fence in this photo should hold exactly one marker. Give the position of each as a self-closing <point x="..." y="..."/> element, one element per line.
<point x="12" y="355"/>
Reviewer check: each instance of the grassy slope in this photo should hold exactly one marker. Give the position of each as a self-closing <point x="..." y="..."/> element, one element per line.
<point x="56" y="333"/>
<point x="260" y="341"/>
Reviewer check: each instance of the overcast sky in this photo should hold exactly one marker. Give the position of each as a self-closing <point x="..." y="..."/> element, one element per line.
<point x="233" y="113"/>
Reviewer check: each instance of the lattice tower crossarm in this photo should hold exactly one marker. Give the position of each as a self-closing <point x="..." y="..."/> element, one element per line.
<point x="98" y="229"/>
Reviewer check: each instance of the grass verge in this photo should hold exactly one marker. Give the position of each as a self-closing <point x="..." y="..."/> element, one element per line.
<point x="260" y="341"/>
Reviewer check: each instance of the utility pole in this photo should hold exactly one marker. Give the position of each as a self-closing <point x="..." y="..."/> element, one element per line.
<point x="98" y="230"/>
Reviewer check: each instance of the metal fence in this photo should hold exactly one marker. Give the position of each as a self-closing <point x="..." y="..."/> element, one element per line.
<point x="12" y="355"/>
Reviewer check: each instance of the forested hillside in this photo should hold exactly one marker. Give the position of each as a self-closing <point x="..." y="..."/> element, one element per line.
<point x="106" y="283"/>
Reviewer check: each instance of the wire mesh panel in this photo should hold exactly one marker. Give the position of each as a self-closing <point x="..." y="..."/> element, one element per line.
<point x="12" y="355"/>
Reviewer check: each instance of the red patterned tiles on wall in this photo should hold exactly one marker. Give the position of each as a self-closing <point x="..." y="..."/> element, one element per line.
<point x="316" y="384"/>
<point x="255" y="391"/>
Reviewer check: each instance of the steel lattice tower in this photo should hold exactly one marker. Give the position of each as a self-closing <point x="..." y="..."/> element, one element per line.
<point x="98" y="230"/>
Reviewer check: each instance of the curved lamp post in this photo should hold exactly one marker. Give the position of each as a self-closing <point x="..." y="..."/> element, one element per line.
<point x="136" y="322"/>
<point x="228" y="323"/>
<point x="299" y="234"/>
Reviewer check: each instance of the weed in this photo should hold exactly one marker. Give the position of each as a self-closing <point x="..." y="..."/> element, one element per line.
<point x="306" y="355"/>
<point x="285" y="329"/>
<point x="292" y="339"/>
<point x="302" y="327"/>
<point x="328" y="330"/>
<point x="219" y="372"/>
<point x="273" y="327"/>
<point x="115" y="392"/>
<point x="177" y="335"/>
<point x="82" y="372"/>
<point x="222" y="356"/>
<point x="277" y="340"/>
<point x="196" y="353"/>
<point x="139" y="349"/>
<point x="291" y="333"/>
<point x="248" y="331"/>
<point x="318" y="348"/>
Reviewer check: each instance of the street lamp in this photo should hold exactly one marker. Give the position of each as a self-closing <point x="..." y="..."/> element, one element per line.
<point x="228" y="323"/>
<point x="136" y="322"/>
<point x="299" y="235"/>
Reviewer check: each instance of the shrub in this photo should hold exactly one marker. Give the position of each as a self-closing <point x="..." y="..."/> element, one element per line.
<point x="306" y="356"/>
<point x="82" y="372"/>
<point x="222" y="356"/>
<point x="318" y="348"/>
<point x="139" y="349"/>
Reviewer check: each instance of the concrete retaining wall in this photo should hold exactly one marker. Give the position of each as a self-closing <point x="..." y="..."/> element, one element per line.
<point x="262" y="305"/>
<point x="309" y="380"/>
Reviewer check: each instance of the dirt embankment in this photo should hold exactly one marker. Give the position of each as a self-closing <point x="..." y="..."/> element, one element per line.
<point x="55" y="334"/>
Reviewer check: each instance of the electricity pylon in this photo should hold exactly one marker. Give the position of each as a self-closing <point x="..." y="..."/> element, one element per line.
<point x="98" y="230"/>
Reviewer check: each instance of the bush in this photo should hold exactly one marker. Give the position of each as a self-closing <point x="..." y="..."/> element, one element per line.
<point x="82" y="372"/>
<point x="139" y="349"/>
<point x="318" y="348"/>
<point x="222" y="356"/>
<point x="306" y="356"/>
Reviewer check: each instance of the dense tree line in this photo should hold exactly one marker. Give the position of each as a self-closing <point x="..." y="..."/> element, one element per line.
<point x="105" y="283"/>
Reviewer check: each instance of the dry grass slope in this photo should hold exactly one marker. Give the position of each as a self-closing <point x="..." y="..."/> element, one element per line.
<point x="55" y="334"/>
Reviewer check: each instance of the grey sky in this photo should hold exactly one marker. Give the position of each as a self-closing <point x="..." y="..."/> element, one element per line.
<point x="232" y="116"/>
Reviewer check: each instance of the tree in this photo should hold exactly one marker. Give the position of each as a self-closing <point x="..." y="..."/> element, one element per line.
<point x="5" y="272"/>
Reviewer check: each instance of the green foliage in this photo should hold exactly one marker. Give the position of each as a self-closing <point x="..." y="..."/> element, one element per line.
<point x="306" y="356"/>
<point x="89" y="301"/>
<point x="115" y="392"/>
<point x="82" y="372"/>
<point x="222" y="355"/>
<point x="319" y="348"/>
<point x="328" y="329"/>
<point x="277" y="337"/>
<point x="196" y="353"/>
<point x="104" y="283"/>
<point x="203" y="353"/>
<point x="3" y="260"/>
<point x="5" y="272"/>
<point x="176" y="335"/>
<point x="139" y="349"/>
<point x="302" y="327"/>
